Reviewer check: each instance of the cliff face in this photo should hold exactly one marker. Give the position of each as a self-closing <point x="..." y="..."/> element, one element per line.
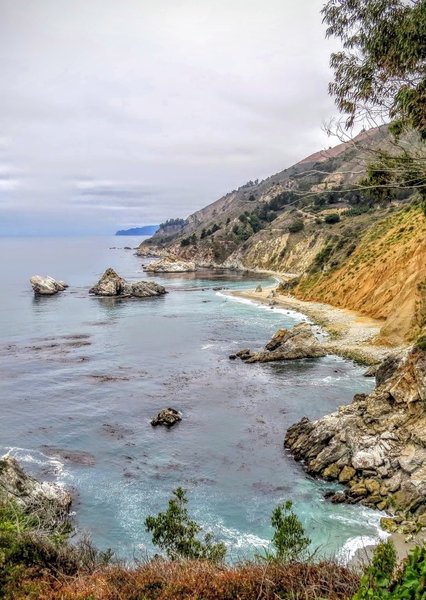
<point x="377" y="444"/>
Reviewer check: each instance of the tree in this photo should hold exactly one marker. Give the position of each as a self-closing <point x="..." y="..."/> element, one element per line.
<point x="175" y="533"/>
<point x="380" y="77"/>
<point x="289" y="541"/>
<point x="381" y="69"/>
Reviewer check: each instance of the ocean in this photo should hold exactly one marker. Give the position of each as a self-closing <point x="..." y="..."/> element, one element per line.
<point x="81" y="377"/>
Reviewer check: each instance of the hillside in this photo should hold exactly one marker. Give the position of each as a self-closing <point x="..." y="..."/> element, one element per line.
<point x="329" y="241"/>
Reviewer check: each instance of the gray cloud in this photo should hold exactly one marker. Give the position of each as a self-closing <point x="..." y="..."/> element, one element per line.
<point x="115" y="114"/>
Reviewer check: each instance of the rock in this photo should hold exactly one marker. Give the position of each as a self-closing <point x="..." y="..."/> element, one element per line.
<point x="421" y="520"/>
<point x="378" y="441"/>
<point x="388" y="524"/>
<point x="47" y="498"/>
<point x="288" y="344"/>
<point x="258" y="289"/>
<point x="232" y="356"/>
<point x="47" y="286"/>
<point x="371" y="371"/>
<point x="170" y="265"/>
<point x="387" y="368"/>
<point x="111" y="284"/>
<point x="244" y="354"/>
<point x="346" y="474"/>
<point x="331" y="472"/>
<point x="167" y="417"/>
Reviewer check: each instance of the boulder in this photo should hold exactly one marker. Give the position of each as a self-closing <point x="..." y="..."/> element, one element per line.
<point x="167" y="417"/>
<point x="169" y="265"/>
<point x="258" y="289"/>
<point x="111" y="284"/>
<point x="287" y="344"/>
<point x="44" y="285"/>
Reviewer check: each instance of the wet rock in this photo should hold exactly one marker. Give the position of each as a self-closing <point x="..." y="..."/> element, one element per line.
<point x="167" y="417"/>
<point x="232" y="356"/>
<point x="111" y="284"/>
<point x="371" y="371"/>
<point x="287" y="344"/>
<point x="346" y="474"/>
<point x="388" y="524"/>
<point x="331" y="472"/>
<point x="258" y="289"/>
<point x="44" y="285"/>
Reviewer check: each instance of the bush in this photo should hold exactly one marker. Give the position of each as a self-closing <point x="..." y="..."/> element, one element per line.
<point x="332" y="218"/>
<point x="296" y="226"/>
<point x="175" y="533"/>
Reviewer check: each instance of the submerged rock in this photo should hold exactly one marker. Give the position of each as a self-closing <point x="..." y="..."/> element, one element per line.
<point x="287" y="344"/>
<point x="48" y="499"/>
<point x="167" y="417"/>
<point x="377" y="444"/>
<point x="170" y="265"/>
<point x="44" y="285"/>
<point x="111" y="284"/>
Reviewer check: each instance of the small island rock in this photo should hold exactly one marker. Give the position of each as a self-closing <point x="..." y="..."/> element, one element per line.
<point x="111" y="284"/>
<point x="167" y="417"/>
<point x="44" y="285"/>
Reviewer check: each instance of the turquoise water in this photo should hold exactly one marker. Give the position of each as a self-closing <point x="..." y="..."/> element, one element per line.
<point x="86" y="374"/>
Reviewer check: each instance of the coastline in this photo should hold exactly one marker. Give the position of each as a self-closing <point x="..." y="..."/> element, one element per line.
<point x="350" y="334"/>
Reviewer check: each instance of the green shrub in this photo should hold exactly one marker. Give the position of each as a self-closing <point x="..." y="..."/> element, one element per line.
<point x="332" y="218"/>
<point x="421" y="342"/>
<point x="175" y="533"/>
<point x="289" y="541"/>
<point x="296" y="226"/>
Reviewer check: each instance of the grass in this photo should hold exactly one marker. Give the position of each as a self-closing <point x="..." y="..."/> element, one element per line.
<point x="201" y="580"/>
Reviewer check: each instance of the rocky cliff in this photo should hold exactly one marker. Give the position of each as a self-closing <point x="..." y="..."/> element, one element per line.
<point x="376" y="445"/>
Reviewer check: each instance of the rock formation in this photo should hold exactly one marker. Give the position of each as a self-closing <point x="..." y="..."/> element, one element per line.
<point x="170" y="265"/>
<point x="167" y="417"/>
<point x="47" y="498"/>
<point x="44" y="285"/>
<point x="111" y="284"/>
<point x="376" y="445"/>
<point x="286" y="344"/>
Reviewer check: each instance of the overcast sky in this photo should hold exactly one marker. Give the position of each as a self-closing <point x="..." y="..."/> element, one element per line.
<point x="118" y="113"/>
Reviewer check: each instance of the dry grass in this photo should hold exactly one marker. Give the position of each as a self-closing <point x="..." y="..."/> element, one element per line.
<point x="195" y="580"/>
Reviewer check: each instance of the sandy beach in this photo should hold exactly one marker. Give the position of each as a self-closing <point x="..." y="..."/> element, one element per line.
<point x="351" y="335"/>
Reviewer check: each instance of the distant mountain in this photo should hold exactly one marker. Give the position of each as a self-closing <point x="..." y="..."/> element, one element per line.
<point x="147" y="230"/>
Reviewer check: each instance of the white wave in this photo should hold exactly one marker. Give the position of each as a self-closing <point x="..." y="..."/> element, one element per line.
<point x="353" y="545"/>
<point x="239" y="540"/>
<point x="35" y="457"/>
<point x="206" y="346"/>
<point x="293" y="314"/>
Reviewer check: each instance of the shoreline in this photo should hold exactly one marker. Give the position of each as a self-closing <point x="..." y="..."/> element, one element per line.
<point x="351" y="335"/>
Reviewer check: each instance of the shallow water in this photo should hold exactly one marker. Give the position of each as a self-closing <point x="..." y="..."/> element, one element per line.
<point x="86" y="374"/>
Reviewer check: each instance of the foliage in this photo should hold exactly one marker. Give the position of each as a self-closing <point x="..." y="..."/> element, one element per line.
<point x="173" y="223"/>
<point x="381" y="69"/>
<point x="378" y="575"/>
<point x="190" y="240"/>
<point x="175" y="533"/>
<point x="289" y="541"/>
<point x="332" y="218"/>
<point x="421" y="342"/>
<point x="381" y="583"/>
<point x="296" y="226"/>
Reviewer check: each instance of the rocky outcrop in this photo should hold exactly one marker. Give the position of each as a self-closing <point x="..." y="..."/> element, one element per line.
<point x="48" y="500"/>
<point x="111" y="284"/>
<point x="376" y="445"/>
<point x="44" y="285"/>
<point x="169" y="265"/>
<point x="167" y="417"/>
<point x="286" y="344"/>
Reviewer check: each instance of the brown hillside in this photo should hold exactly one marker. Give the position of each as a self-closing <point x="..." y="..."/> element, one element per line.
<point x="384" y="278"/>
